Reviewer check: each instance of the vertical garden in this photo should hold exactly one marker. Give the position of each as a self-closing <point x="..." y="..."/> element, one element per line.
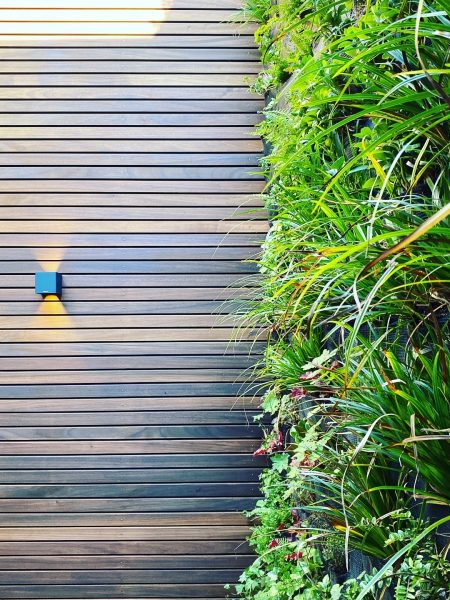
<point x="355" y="294"/>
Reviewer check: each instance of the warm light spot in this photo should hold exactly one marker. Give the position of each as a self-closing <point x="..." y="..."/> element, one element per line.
<point x="101" y="18"/>
<point x="50" y="265"/>
<point x="91" y="15"/>
<point x="51" y="314"/>
<point x="52" y="305"/>
<point x="89" y="4"/>
<point x="64" y="29"/>
<point x="49" y="259"/>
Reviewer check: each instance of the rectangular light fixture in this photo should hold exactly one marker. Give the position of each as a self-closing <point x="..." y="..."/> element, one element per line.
<point x="47" y="282"/>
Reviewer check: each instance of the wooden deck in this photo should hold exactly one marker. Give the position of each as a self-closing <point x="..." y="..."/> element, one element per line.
<point x="125" y="456"/>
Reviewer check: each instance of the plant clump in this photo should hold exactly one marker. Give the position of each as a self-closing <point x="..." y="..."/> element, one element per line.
<point x="354" y="296"/>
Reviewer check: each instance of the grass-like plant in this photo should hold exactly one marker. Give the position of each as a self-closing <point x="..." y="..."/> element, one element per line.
<point x="355" y="289"/>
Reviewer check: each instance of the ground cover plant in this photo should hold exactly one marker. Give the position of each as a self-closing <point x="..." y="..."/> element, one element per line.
<point x="355" y="294"/>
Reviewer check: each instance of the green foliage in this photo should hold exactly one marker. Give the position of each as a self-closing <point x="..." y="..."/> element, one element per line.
<point x="354" y="297"/>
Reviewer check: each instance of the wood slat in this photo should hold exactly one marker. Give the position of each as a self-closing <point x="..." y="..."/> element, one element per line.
<point x="24" y="563"/>
<point x="133" y="294"/>
<point x="127" y="404"/>
<point x="129" y="447"/>
<point x="134" y="4"/>
<point x="149" y="29"/>
<point x="133" y="267"/>
<point x="158" y="347"/>
<point x="109" y="591"/>
<point x="127" y="476"/>
<point x="130" y="461"/>
<point x="105" y="16"/>
<point x="145" y="519"/>
<point x="131" y="67"/>
<point x="135" y="92"/>
<point x="126" y="145"/>
<point x="125" y="505"/>
<point x="200" y="40"/>
<point x="185" y="307"/>
<point x="249" y="160"/>
<point x="130" y="173"/>
<point x="126" y="239"/>
<point x="136" y="133"/>
<point x="149" y="53"/>
<point x="17" y="534"/>
<point x="50" y="321"/>
<point x="126" y="576"/>
<point x="154" y="200"/>
<point x="115" y="432"/>
<point x="200" y="361"/>
<point x="140" y="226"/>
<point x="124" y="335"/>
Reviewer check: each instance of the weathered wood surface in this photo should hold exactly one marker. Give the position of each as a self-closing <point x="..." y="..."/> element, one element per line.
<point x="129" y="163"/>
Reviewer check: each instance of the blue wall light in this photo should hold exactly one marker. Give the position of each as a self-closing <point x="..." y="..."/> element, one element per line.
<point x="47" y="282"/>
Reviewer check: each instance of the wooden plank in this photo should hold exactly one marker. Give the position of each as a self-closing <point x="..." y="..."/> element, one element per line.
<point x="237" y="363"/>
<point x="158" y="347"/>
<point x="131" y="213"/>
<point x="79" y="364"/>
<point x="132" y="294"/>
<point x="227" y="334"/>
<point x="140" y="226"/>
<point x="126" y="239"/>
<point x="200" y="40"/>
<point x="97" y="29"/>
<point x="54" y="307"/>
<point x="55" y="53"/>
<point x="134" y="4"/>
<point x="23" y="563"/>
<point x="158" y="591"/>
<point x="24" y="534"/>
<point x="136" y="280"/>
<point x="117" y="519"/>
<point x="129" y="447"/>
<point x="105" y="18"/>
<point x="130" y="159"/>
<point x="129" y="120"/>
<point x="143" y="146"/>
<point x="125" y="576"/>
<point x="130" y="67"/>
<point x="130" y="461"/>
<point x="134" y="432"/>
<point x="124" y="376"/>
<point x="125" y="505"/>
<point x="56" y="254"/>
<point x="125" y="80"/>
<point x="127" y="404"/>
<point x="204" y="92"/>
<point x="134" y="267"/>
<point x="50" y="321"/>
<point x="185" y="307"/>
<point x="106" y="5"/>
<point x="117" y="389"/>
<point x="108" y="476"/>
<point x="130" y="173"/>
<point x="124" y="548"/>
<point x="136" y="133"/>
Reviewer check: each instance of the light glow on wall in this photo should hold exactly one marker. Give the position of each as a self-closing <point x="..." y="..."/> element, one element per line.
<point x="101" y="18"/>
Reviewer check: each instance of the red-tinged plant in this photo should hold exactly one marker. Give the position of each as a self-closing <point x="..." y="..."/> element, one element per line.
<point x="294" y="556"/>
<point x="260" y="452"/>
